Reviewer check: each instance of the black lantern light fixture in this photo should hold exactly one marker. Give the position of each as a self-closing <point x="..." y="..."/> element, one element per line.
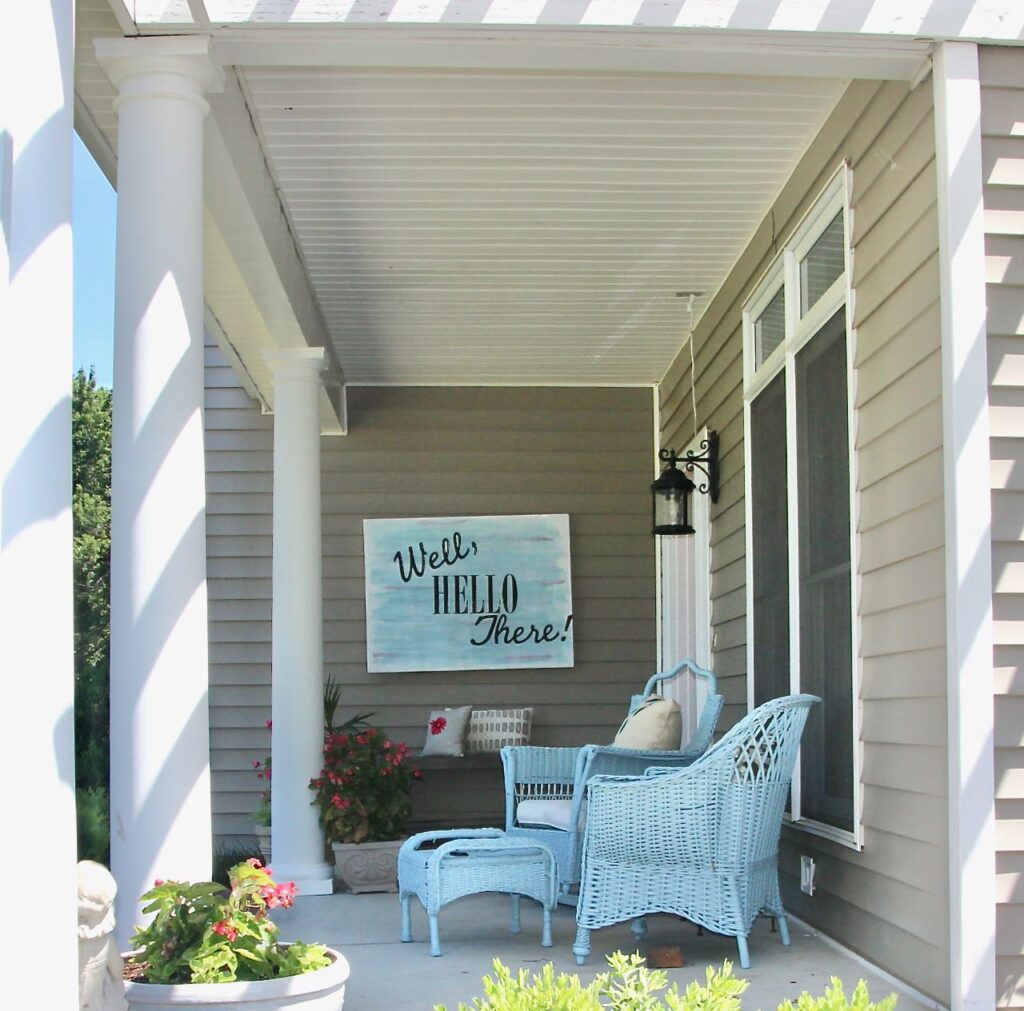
<point x="671" y="492"/>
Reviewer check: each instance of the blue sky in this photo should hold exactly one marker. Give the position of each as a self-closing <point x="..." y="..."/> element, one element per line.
<point x="92" y="221"/>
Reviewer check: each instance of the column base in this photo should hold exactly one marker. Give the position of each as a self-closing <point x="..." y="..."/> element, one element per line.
<point x="315" y="886"/>
<point x="310" y="879"/>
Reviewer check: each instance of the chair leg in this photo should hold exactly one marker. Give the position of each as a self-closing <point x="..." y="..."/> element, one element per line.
<point x="783" y="928"/>
<point x="741" y="943"/>
<point x="639" y="927"/>
<point x="435" y="940"/>
<point x="545" y="938"/>
<point x="515" y="926"/>
<point x="582" y="946"/>
<point x="406" y="921"/>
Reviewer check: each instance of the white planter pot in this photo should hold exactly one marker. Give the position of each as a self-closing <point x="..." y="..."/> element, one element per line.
<point x="322" y="990"/>
<point x="368" y="866"/>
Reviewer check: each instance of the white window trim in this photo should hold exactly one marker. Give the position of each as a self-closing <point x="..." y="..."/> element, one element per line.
<point x="834" y="199"/>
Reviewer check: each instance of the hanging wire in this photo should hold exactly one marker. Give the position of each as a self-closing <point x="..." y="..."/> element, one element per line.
<point x="693" y="386"/>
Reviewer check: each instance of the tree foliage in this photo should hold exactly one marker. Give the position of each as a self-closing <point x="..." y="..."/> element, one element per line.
<point x="90" y="469"/>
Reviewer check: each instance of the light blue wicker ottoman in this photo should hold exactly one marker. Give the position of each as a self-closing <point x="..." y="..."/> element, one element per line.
<point x="440" y="867"/>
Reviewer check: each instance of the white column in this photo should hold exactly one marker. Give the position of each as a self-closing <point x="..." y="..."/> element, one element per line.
<point x="159" y="735"/>
<point x="972" y="898"/>
<point x="36" y="648"/>
<point x="297" y="653"/>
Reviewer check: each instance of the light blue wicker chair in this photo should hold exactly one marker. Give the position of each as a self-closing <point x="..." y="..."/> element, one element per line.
<point x="700" y="842"/>
<point x="558" y="777"/>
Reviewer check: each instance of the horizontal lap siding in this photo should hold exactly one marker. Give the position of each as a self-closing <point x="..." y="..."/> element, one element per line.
<point x="439" y="452"/>
<point x="1002" y="98"/>
<point x="890" y="901"/>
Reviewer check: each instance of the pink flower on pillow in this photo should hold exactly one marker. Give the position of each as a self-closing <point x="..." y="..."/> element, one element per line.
<point x="437" y="725"/>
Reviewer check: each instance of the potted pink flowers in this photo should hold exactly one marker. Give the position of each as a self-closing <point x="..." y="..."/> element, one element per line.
<point x="363" y="795"/>
<point x="216" y="947"/>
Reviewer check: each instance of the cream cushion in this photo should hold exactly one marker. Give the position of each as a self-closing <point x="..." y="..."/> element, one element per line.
<point x="657" y="725"/>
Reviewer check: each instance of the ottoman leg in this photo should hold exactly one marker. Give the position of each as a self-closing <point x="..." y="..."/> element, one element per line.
<point x="406" y="922"/>
<point x="515" y="926"/>
<point x="545" y="938"/>
<point x="435" y="941"/>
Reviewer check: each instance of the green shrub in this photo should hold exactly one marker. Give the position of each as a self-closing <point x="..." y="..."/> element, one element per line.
<point x="630" y="986"/>
<point x="544" y="992"/>
<point x="93" y="816"/>
<point x="835" y="1000"/>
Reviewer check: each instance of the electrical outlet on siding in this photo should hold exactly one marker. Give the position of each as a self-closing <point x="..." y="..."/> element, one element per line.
<point x="807" y="875"/>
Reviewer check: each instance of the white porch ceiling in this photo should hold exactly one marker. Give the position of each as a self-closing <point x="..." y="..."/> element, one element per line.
<point x="516" y="206"/>
<point x="496" y="227"/>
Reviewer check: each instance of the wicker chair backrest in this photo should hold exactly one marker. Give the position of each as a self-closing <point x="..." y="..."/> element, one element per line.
<point x="752" y="766"/>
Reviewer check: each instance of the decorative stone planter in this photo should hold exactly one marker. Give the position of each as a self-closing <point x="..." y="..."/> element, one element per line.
<point x="368" y="866"/>
<point x="262" y="833"/>
<point x="322" y="990"/>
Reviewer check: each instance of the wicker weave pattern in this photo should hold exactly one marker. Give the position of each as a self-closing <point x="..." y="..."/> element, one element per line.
<point x="700" y="842"/>
<point x="469" y="861"/>
<point x="536" y="773"/>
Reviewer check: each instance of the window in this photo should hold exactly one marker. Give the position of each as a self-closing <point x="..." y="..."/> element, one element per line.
<point x="800" y="559"/>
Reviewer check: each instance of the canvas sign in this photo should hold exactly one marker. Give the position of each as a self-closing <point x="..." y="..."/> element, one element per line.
<point x="469" y="593"/>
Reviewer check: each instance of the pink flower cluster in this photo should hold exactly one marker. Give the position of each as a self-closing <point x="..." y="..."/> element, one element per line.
<point x="225" y="930"/>
<point x="282" y="894"/>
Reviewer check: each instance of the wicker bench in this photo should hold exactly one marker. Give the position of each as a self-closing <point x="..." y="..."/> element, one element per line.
<point x="440" y="867"/>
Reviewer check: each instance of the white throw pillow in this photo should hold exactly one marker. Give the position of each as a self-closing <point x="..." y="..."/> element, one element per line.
<point x="446" y="732"/>
<point x="657" y="725"/>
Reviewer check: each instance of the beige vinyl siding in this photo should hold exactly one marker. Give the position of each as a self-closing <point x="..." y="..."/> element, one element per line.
<point x="889" y="901"/>
<point x="433" y="452"/>
<point x="1002" y="105"/>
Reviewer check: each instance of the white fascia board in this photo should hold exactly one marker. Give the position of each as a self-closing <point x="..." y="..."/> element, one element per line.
<point x="123" y="16"/>
<point x="968" y="522"/>
<point x="243" y="204"/>
<point x="586" y="49"/>
<point x="978" y="20"/>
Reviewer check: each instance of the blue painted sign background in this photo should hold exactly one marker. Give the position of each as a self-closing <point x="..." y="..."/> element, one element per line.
<point x="470" y="593"/>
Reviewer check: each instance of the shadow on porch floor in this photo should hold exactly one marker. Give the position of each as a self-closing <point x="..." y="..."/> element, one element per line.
<point x="390" y="976"/>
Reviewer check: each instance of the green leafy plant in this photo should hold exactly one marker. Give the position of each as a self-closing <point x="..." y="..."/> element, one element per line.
<point x="204" y="933"/>
<point x="543" y="992"/>
<point x="227" y="854"/>
<point x="93" y="810"/>
<point x="630" y="986"/>
<point x="835" y="1000"/>
<point x="363" y="789"/>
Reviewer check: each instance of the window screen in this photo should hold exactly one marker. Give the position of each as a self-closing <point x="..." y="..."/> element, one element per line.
<point x="770" y="524"/>
<point x="826" y="633"/>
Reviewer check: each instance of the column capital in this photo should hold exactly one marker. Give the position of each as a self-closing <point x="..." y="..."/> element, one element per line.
<point x="190" y="57"/>
<point x="303" y="364"/>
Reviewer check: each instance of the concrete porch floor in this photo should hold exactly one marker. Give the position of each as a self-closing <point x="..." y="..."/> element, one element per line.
<point x="387" y="975"/>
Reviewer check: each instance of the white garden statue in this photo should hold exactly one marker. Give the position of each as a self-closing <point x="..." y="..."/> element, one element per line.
<point x="100" y="984"/>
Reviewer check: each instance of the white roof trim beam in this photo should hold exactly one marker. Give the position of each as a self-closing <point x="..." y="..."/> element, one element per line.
<point x="994" y="20"/>
<point x="573" y="50"/>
